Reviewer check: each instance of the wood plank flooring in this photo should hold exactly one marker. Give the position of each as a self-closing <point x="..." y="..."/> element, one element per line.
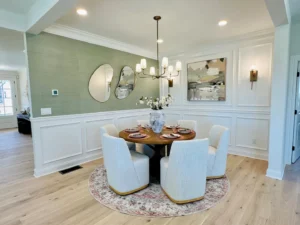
<point x="59" y="199"/>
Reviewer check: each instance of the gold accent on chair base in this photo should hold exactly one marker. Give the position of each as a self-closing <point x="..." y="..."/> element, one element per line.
<point x="215" y="177"/>
<point x="128" y="192"/>
<point x="182" y="201"/>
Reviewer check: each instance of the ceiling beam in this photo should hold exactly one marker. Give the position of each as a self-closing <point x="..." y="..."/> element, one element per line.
<point x="279" y="11"/>
<point x="45" y="12"/>
<point x="12" y="21"/>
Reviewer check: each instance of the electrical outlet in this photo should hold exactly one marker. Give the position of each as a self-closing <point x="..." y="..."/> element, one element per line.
<point x="46" y="111"/>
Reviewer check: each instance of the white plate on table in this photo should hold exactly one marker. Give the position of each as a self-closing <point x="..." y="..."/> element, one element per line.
<point x="172" y="126"/>
<point x="184" y="131"/>
<point x="132" y="130"/>
<point x="137" y="135"/>
<point x="171" y="136"/>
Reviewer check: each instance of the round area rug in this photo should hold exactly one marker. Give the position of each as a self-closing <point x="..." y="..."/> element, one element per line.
<point x="151" y="201"/>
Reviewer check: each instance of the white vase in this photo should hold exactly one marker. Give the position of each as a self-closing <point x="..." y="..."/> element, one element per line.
<point x="157" y="120"/>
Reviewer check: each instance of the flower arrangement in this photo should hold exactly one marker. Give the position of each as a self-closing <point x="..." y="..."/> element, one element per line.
<point x="156" y="103"/>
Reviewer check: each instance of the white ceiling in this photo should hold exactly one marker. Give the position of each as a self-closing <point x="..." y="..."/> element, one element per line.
<point x="184" y="24"/>
<point x="12" y="56"/>
<point x="17" y="6"/>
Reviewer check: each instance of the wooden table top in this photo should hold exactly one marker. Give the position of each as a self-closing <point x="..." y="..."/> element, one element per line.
<point x="156" y="139"/>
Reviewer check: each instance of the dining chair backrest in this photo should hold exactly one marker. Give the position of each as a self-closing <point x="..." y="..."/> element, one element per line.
<point x="219" y="137"/>
<point x="110" y="129"/>
<point x="119" y="166"/>
<point x="187" y="167"/>
<point x="190" y="124"/>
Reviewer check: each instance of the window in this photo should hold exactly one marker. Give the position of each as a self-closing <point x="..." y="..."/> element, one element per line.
<point x="6" y="101"/>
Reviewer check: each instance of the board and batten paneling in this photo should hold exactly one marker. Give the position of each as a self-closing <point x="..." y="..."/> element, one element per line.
<point x="245" y="112"/>
<point x="92" y="133"/>
<point x="261" y="57"/>
<point x="252" y="133"/>
<point x="61" y="142"/>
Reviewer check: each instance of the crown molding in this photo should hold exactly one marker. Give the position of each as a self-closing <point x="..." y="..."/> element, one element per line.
<point x="261" y="35"/>
<point x="91" y="38"/>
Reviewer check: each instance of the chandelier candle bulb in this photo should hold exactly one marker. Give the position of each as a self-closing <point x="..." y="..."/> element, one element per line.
<point x="143" y="63"/>
<point x="170" y="69"/>
<point x="165" y="62"/>
<point x="152" y="70"/>
<point x="164" y="70"/>
<point x="138" y="68"/>
<point x="178" y="66"/>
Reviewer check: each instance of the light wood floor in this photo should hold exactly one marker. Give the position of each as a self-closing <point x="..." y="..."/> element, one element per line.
<point x="58" y="199"/>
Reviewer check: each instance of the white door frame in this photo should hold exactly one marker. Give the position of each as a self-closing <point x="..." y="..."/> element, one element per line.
<point x="290" y="110"/>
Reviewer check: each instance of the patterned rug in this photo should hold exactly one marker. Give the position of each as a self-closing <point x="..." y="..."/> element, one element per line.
<point x="152" y="202"/>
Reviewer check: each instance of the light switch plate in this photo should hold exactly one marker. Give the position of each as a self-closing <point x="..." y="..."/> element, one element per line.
<point x="46" y="111"/>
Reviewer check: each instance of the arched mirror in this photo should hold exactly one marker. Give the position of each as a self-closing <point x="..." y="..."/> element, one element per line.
<point x="126" y="83"/>
<point x="100" y="83"/>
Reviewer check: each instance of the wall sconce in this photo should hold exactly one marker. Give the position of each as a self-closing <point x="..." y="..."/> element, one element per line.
<point x="253" y="75"/>
<point x="170" y="82"/>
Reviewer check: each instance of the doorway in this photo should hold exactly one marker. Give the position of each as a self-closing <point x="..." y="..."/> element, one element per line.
<point x="8" y="101"/>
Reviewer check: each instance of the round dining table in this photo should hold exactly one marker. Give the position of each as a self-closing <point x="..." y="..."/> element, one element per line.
<point x="158" y="143"/>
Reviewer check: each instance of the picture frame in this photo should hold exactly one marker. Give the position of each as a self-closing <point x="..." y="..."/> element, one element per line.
<point x="206" y="80"/>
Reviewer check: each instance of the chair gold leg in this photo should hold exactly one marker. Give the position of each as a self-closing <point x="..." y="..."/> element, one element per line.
<point x="215" y="177"/>
<point x="182" y="201"/>
<point x="128" y="192"/>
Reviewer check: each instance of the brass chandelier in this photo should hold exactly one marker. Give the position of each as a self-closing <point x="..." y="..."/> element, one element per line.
<point x="167" y="69"/>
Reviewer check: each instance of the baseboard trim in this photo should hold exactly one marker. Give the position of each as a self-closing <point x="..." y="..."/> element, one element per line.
<point x="46" y="170"/>
<point x="251" y="153"/>
<point x="275" y="174"/>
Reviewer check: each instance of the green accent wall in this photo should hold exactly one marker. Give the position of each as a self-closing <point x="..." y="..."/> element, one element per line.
<point x="65" y="64"/>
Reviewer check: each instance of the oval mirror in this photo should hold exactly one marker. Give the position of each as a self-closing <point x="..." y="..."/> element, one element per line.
<point x="100" y="83"/>
<point x="126" y="83"/>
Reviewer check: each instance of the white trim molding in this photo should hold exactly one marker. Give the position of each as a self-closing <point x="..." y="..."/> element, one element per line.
<point x="291" y="101"/>
<point x="275" y="174"/>
<point x="91" y="38"/>
<point x="60" y="142"/>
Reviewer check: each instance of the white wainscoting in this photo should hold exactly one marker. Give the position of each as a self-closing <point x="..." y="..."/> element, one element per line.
<point x="63" y="141"/>
<point x="249" y="131"/>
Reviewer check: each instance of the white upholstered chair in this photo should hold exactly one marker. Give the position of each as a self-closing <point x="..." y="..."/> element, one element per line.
<point x="113" y="131"/>
<point x="183" y="173"/>
<point x="127" y="171"/>
<point x="217" y="153"/>
<point x="190" y="124"/>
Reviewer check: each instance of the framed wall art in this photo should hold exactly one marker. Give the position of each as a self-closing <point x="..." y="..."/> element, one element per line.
<point x="207" y="80"/>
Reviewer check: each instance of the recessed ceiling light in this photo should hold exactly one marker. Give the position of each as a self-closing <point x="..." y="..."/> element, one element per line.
<point x="81" y="12"/>
<point x="159" y="41"/>
<point x="222" y="23"/>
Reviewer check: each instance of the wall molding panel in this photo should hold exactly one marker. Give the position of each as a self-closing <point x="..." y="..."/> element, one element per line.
<point x="237" y="145"/>
<point x="61" y="142"/>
